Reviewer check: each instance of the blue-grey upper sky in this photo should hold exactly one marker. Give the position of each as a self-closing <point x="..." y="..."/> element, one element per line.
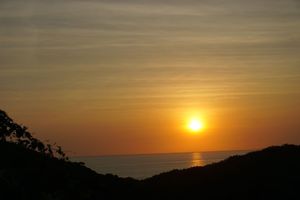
<point x="109" y="68"/>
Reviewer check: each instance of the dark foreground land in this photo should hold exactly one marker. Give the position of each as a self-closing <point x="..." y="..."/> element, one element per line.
<point x="272" y="173"/>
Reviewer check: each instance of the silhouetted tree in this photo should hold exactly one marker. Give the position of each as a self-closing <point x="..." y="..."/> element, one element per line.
<point x="15" y="133"/>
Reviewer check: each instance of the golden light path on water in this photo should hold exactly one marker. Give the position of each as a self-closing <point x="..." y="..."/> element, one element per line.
<point x="197" y="159"/>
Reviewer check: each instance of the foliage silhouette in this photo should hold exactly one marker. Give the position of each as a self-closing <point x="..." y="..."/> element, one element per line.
<point x="19" y="134"/>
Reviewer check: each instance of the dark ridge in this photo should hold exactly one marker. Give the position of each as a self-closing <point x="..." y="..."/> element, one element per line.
<point x="272" y="173"/>
<point x="27" y="174"/>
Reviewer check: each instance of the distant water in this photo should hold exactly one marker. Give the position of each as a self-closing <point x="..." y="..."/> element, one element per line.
<point x="143" y="166"/>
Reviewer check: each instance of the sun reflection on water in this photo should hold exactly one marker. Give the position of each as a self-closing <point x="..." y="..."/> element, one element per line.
<point x="197" y="160"/>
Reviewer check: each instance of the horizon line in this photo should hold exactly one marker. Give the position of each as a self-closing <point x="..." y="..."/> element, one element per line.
<point x="156" y="153"/>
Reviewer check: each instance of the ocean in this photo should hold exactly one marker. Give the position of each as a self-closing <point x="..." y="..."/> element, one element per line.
<point x="147" y="165"/>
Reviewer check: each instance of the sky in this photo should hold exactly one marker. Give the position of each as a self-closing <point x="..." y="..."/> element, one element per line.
<point x="124" y="76"/>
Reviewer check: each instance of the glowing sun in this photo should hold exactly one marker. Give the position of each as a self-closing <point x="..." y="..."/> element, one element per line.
<point x="195" y="125"/>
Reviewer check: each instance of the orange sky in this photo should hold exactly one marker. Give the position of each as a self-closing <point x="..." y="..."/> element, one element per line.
<point x="123" y="77"/>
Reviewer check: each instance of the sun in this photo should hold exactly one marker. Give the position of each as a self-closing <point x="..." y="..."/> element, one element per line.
<point x="195" y="125"/>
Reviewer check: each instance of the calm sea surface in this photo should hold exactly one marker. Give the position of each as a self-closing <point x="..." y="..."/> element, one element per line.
<point x="143" y="166"/>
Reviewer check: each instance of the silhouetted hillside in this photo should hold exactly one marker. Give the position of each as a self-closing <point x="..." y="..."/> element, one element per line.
<point x="272" y="173"/>
<point x="27" y="174"/>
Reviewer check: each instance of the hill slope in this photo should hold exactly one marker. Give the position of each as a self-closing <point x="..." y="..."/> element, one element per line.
<point x="26" y="174"/>
<point x="273" y="173"/>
